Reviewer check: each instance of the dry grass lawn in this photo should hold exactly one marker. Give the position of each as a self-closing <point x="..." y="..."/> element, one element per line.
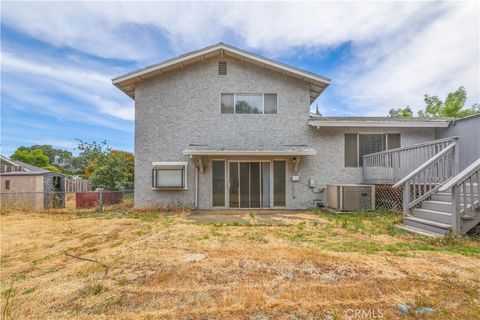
<point x="242" y="265"/>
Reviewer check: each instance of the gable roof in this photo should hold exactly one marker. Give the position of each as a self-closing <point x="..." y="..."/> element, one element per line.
<point x="414" y="122"/>
<point x="127" y="82"/>
<point x="25" y="167"/>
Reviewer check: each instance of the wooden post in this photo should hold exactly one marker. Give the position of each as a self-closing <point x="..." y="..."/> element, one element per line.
<point x="456" y="218"/>
<point x="456" y="160"/>
<point x="406" y="199"/>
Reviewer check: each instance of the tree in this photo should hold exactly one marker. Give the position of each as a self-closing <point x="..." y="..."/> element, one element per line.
<point x="317" y="112"/>
<point x="401" y="113"/>
<point x="113" y="172"/>
<point x="35" y="157"/>
<point x="91" y="153"/>
<point x="62" y="159"/>
<point x="453" y="106"/>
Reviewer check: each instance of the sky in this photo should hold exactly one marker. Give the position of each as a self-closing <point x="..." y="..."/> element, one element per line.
<point x="57" y="59"/>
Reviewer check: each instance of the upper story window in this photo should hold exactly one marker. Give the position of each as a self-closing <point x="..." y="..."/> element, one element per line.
<point x="359" y="144"/>
<point x="246" y="103"/>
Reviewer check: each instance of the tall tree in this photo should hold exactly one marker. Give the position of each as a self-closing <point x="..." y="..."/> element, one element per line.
<point x="90" y="153"/>
<point x="59" y="158"/>
<point x="453" y="106"/>
<point x="35" y="157"/>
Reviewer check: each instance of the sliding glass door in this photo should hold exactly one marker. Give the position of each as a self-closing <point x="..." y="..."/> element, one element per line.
<point x="249" y="184"/>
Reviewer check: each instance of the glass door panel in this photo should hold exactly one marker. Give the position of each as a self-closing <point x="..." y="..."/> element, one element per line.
<point x="244" y="185"/>
<point x="279" y="183"/>
<point x="234" y="185"/>
<point x="265" y="184"/>
<point x="218" y="183"/>
<point x="255" y="186"/>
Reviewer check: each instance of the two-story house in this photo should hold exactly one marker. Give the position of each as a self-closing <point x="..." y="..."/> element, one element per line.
<point x="225" y="128"/>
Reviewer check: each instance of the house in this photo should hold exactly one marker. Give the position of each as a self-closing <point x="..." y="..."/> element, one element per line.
<point x="26" y="186"/>
<point x="225" y="128"/>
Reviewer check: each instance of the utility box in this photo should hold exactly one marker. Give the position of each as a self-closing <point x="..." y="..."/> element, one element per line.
<point x="351" y="197"/>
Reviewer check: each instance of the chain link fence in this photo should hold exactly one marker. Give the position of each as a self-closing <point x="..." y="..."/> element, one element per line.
<point x="89" y="200"/>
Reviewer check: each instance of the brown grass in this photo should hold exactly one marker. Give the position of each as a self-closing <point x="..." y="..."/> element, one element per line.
<point x="281" y="270"/>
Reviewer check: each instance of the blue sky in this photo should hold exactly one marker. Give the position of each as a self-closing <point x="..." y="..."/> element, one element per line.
<point x="57" y="60"/>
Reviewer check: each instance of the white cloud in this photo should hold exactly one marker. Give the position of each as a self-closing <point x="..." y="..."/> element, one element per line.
<point x="400" y="50"/>
<point x="88" y="85"/>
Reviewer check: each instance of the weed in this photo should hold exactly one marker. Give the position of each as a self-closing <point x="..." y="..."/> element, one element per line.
<point x="29" y="290"/>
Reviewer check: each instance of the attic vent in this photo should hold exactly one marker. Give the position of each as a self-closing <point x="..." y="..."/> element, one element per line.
<point x="222" y="68"/>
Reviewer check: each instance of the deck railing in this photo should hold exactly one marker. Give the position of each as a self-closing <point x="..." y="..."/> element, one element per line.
<point x="428" y="178"/>
<point x="390" y="166"/>
<point x="465" y="189"/>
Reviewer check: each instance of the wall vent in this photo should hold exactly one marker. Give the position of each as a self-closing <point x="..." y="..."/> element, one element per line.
<point x="222" y="68"/>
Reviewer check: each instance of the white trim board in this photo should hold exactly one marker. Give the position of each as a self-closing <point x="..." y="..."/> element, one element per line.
<point x="309" y="152"/>
<point x="380" y="124"/>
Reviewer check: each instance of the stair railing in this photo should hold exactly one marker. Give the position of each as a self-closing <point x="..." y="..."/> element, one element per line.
<point x="465" y="194"/>
<point x="426" y="179"/>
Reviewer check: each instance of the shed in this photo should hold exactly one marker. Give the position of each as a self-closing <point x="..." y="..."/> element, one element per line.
<point x="26" y="186"/>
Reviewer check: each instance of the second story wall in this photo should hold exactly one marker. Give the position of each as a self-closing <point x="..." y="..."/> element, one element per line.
<point x="183" y="107"/>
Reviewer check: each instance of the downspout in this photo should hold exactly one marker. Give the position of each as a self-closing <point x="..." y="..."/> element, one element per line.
<point x="195" y="197"/>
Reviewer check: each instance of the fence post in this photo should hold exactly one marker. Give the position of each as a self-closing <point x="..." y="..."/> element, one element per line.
<point x="101" y="200"/>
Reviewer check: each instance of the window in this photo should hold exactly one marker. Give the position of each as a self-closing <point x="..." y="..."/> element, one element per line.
<point x="228" y="103"/>
<point x="169" y="175"/>
<point x="242" y="103"/>
<point x="357" y="145"/>
<point x="222" y="68"/>
<point x="7" y="184"/>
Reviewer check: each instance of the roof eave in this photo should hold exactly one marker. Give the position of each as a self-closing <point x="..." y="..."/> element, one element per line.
<point x="249" y="153"/>
<point x="304" y="75"/>
<point x="380" y="124"/>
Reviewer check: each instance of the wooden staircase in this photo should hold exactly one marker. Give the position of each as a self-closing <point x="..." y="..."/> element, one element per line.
<point x="454" y="206"/>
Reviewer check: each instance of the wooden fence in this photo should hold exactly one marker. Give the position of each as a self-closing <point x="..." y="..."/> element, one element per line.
<point x="78" y="185"/>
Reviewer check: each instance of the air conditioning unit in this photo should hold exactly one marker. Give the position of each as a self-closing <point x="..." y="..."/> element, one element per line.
<point x="351" y="197"/>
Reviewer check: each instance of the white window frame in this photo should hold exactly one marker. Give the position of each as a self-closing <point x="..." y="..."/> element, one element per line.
<point x="170" y="165"/>
<point x="245" y="93"/>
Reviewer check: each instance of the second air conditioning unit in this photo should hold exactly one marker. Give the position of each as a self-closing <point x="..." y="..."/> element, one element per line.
<point x="351" y="197"/>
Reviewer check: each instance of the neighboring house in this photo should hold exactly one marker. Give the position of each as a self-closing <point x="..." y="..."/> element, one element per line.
<point x="26" y="186"/>
<point x="224" y="128"/>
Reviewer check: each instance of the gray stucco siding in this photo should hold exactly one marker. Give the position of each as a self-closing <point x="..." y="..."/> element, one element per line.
<point x="183" y="107"/>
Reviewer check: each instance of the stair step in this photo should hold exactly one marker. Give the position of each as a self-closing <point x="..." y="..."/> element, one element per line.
<point x="432" y="215"/>
<point x="428" y="225"/>
<point x="443" y="206"/>
<point x="419" y="231"/>
<point x="442" y="196"/>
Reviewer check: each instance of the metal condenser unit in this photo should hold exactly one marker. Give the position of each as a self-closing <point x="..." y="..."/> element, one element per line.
<point x="351" y="197"/>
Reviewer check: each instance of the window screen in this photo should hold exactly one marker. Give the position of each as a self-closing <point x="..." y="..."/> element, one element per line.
<point x="270" y="103"/>
<point x="370" y="143"/>
<point x="169" y="178"/>
<point x="227" y="103"/>
<point x="218" y="183"/>
<point x="7" y="184"/>
<point x="393" y="140"/>
<point x="351" y="156"/>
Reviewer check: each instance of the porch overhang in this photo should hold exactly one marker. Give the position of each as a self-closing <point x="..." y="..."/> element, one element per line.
<point x="261" y="151"/>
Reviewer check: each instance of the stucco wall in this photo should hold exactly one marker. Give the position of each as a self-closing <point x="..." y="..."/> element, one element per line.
<point x="183" y="107"/>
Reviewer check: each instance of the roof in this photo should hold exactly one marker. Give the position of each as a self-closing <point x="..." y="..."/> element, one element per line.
<point x="27" y="169"/>
<point x="127" y="82"/>
<point x="414" y="122"/>
<point x="261" y="150"/>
